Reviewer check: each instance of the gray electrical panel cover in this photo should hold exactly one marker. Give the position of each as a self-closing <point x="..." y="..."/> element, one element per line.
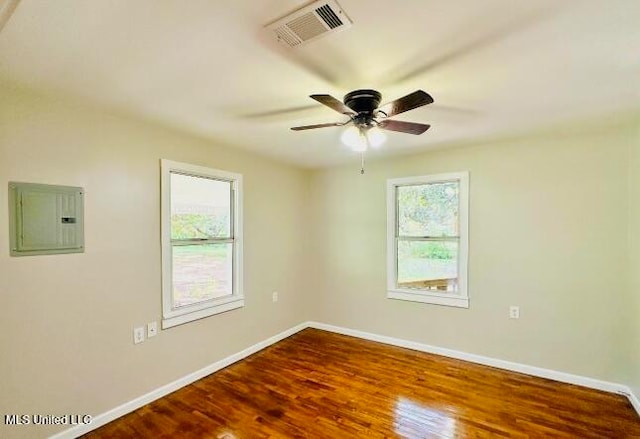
<point x="45" y="219"/>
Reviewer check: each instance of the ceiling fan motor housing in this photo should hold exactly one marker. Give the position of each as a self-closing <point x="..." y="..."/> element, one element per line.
<point x="363" y="102"/>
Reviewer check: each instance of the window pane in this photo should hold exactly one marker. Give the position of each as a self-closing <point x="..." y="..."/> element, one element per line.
<point x="200" y="207"/>
<point x="428" y="209"/>
<point x="201" y="272"/>
<point x="428" y="265"/>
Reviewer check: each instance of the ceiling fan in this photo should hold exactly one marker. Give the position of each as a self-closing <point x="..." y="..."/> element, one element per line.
<point x="367" y="118"/>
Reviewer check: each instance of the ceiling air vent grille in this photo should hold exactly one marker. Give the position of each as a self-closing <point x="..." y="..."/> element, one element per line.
<point x="310" y="22"/>
<point x="307" y="27"/>
<point x="329" y="16"/>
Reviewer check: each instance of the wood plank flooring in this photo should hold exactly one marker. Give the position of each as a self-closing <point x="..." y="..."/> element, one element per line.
<point x="317" y="384"/>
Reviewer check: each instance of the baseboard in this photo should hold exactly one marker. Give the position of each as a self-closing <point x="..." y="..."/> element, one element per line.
<point x="488" y="361"/>
<point x="634" y="398"/>
<point x="135" y="404"/>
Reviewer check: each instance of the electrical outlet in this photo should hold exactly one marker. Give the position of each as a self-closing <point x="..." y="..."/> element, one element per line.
<point x="138" y="334"/>
<point x="274" y="296"/>
<point x="514" y="312"/>
<point x="152" y="329"/>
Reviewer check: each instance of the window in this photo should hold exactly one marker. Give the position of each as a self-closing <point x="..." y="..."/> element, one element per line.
<point x="201" y="242"/>
<point x="427" y="239"/>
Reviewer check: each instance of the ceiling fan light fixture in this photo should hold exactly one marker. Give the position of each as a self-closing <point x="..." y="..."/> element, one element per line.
<point x="376" y="137"/>
<point x="354" y="138"/>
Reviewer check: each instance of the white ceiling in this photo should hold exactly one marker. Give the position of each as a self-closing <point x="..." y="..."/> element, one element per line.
<point x="494" y="67"/>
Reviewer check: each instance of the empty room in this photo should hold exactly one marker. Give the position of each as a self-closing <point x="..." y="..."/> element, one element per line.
<point x="319" y="219"/>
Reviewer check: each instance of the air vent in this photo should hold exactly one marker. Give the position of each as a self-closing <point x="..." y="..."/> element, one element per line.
<point x="310" y="22"/>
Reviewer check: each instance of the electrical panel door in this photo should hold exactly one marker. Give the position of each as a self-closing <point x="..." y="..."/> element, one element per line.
<point x="45" y="219"/>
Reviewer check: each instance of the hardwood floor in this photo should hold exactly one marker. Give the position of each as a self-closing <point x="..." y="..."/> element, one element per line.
<point x="317" y="384"/>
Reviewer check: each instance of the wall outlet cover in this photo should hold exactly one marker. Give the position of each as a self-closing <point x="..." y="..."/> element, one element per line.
<point x="138" y="335"/>
<point x="152" y="329"/>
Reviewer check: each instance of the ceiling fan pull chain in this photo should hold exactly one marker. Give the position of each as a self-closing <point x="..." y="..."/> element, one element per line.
<point x="362" y="163"/>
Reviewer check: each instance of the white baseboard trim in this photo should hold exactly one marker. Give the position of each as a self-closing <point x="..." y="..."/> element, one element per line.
<point x="488" y="361"/>
<point x="135" y="404"/>
<point x="635" y="401"/>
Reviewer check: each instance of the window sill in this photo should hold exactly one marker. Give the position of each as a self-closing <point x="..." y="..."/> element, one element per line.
<point x="432" y="298"/>
<point x="169" y="322"/>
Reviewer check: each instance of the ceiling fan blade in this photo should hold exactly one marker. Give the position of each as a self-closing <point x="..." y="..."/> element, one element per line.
<point x="281" y="112"/>
<point x="333" y="103"/>
<point x="483" y="40"/>
<point x="6" y="11"/>
<point x="321" y="125"/>
<point x="413" y="100"/>
<point x="404" y="127"/>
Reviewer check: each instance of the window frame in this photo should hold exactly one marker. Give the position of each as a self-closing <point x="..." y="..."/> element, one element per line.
<point x="459" y="299"/>
<point x="178" y="316"/>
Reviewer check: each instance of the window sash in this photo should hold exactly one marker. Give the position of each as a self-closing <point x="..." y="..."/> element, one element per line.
<point x="204" y="241"/>
<point x="428" y="238"/>
<point x="397" y="207"/>
<point x="424" y="239"/>
<point x="413" y="238"/>
<point x="232" y="184"/>
<point x="459" y="298"/>
<point x="213" y="300"/>
<point x="172" y="316"/>
<point x="197" y="241"/>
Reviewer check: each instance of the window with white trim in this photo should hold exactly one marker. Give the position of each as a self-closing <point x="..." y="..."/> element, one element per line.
<point x="201" y="242"/>
<point x="428" y="239"/>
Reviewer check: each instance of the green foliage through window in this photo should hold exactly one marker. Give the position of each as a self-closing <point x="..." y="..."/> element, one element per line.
<point x="428" y="209"/>
<point x="199" y="226"/>
<point x="427" y="250"/>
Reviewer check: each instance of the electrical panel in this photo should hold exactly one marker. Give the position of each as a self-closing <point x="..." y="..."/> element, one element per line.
<point x="45" y="219"/>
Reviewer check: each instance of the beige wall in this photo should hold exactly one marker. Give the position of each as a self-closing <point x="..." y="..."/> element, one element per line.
<point x="548" y="222"/>
<point x="634" y="262"/>
<point x="66" y="325"/>
<point x="549" y="232"/>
